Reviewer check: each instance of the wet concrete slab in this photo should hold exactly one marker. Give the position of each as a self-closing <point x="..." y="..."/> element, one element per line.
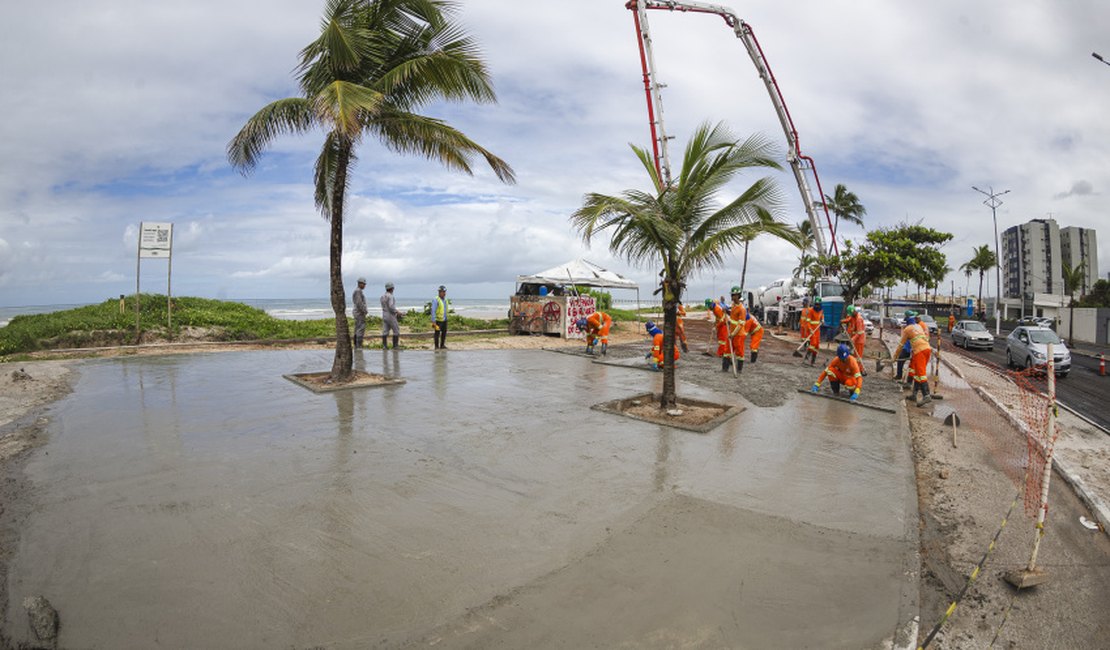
<point x="205" y="501"/>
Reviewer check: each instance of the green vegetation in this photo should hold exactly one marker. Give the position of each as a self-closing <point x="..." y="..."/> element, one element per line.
<point x="194" y="319"/>
<point x="679" y="225"/>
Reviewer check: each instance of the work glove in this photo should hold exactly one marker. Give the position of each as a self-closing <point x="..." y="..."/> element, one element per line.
<point x="854" y="396"/>
<point x="816" y="387"/>
<point x="435" y="326"/>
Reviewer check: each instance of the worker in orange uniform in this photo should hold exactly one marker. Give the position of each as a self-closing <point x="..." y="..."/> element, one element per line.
<point x="918" y="338"/>
<point x="812" y="318"/>
<point x="680" y="327"/>
<point x="657" y="345"/>
<point x="736" y="315"/>
<point x="856" y="330"/>
<point x="716" y="313"/>
<point x="951" y="321"/>
<point x="596" y="326"/>
<point x="842" y="370"/>
<point x="754" y="331"/>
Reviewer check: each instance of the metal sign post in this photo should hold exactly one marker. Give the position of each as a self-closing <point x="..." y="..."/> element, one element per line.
<point x="155" y="241"/>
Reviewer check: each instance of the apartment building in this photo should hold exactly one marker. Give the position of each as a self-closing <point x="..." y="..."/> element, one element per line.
<point x="1080" y="246"/>
<point x="1032" y="260"/>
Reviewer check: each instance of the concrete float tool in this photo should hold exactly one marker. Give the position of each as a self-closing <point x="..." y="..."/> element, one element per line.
<point x="846" y="401"/>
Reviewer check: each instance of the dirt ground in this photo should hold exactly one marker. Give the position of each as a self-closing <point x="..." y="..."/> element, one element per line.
<point x="964" y="491"/>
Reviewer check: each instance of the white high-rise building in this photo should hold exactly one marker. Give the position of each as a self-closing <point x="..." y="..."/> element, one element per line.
<point x="1032" y="261"/>
<point x="1080" y="246"/>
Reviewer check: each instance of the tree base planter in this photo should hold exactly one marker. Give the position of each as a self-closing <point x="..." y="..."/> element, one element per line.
<point x="317" y="382"/>
<point x="689" y="414"/>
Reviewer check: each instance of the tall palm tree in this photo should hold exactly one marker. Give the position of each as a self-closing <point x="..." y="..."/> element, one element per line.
<point x="770" y="227"/>
<point x="1073" y="280"/>
<point x="982" y="260"/>
<point x="375" y="63"/>
<point x="844" y="205"/>
<point x="805" y="243"/>
<point x="681" y="225"/>
<point x="967" y="269"/>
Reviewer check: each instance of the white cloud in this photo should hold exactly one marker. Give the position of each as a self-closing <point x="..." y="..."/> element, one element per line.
<point x="123" y="111"/>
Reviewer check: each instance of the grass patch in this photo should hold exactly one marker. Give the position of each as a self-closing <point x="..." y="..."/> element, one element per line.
<point x="194" y="319"/>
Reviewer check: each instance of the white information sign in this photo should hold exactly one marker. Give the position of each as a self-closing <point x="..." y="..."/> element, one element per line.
<point x="155" y="239"/>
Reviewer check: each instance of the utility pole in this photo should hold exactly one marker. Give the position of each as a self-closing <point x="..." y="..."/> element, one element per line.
<point x="1099" y="57"/>
<point x="993" y="202"/>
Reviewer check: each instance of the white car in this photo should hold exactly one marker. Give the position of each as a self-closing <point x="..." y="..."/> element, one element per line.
<point x="972" y="334"/>
<point x="1028" y="347"/>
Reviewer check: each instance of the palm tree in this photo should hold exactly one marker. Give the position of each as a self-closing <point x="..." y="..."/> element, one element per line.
<point x="1073" y="280"/>
<point x="374" y="64"/>
<point x="845" y="205"/>
<point x="982" y="260"/>
<point x="681" y="225"/>
<point x="805" y="243"/>
<point x="967" y="269"/>
<point x="770" y="227"/>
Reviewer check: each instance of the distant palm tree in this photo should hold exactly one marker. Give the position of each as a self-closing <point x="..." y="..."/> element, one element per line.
<point x="374" y="64"/>
<point x="1073" y="280"/>
<point x="982" y="260"/>
<point x="845" y="205"/>
<point x="681" y="226"/>
<point x="805" y="243"/>
<point x="770" y="227"/>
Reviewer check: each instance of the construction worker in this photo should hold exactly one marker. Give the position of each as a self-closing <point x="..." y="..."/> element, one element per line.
<point x="811" y="330"/>
<point x="951" y="321"/>
<point x="856" y="330"/>
<point x="920" y="351"/>
<point x="754" y="331"/>
<point x="736" y="315"/>
<point x="596" y="326"/>
<point x="656" y="354"/>
<point x="843" y="369"/>
<point x="680" y="327"/>
<point x="716" y="313"/>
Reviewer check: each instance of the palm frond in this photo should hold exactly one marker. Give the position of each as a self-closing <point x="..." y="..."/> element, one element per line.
<point x="291" y="115"/>
<point x="435" y="140"/>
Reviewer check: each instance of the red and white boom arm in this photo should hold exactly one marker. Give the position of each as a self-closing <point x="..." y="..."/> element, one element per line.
<point x="824" y="236"/>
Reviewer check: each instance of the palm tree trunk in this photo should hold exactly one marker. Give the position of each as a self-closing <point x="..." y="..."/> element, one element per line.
<point x="672" y="293"/>
<point x="744" y="269"/>
<point x="341" y="368"/>
<point x="981" y="292"/>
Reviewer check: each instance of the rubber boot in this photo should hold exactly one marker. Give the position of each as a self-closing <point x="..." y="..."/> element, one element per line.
<point x="913" y="395"/>
<point x="385" y="345"/>
<point x="604" y="349"/>
<point x="898" y="374"/>
<point x="925" y="396"/>
<point x="755" y="356"/>
<point x="813" y="359"/>
<point x="739" y="366"/>
<point x="685" y="349"/>
<point x="396" y="341"/>
<point x="726" y="363"/>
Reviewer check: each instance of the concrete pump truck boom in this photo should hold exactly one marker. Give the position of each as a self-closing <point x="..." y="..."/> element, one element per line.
<point x="802" y="165"/>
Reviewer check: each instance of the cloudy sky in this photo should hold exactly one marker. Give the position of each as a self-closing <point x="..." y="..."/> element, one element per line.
<point x="119" y="111"/>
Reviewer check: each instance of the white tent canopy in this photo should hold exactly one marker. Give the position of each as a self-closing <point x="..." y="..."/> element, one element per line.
<point x="581" y="272"/>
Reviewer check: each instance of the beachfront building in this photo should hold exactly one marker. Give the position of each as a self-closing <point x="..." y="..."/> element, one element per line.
<point x="1033" y="258"/>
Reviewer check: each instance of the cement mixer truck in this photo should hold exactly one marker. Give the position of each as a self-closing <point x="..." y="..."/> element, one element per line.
<point x="782" y="302"/>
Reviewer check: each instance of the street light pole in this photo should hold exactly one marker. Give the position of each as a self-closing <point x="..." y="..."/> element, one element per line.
<point x="993" y="202"/>
<point x="1099" y="57"/>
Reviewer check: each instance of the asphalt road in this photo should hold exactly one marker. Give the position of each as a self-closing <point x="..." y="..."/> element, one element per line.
<point x="1083" y="390"/>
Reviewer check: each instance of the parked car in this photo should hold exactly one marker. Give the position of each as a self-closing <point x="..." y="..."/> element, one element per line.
<point x="868" y="326"/>
<point x="972" y="334"/>
<point x="928" y="320"/>
<point x="1037" y="321"/>
<point x="870" y="315"/>
<point x="1027" y="346"/>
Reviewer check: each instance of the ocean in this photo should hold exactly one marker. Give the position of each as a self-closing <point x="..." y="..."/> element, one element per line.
<point x="312" y="308"/>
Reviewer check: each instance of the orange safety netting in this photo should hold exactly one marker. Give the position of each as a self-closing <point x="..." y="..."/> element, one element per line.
<point x="1036" y="406"/>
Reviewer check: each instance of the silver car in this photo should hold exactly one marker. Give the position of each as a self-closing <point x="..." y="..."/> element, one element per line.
<point x="1027" y="346"/>
<point x="929" y="322"/>
<point x="972" y="334"/>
